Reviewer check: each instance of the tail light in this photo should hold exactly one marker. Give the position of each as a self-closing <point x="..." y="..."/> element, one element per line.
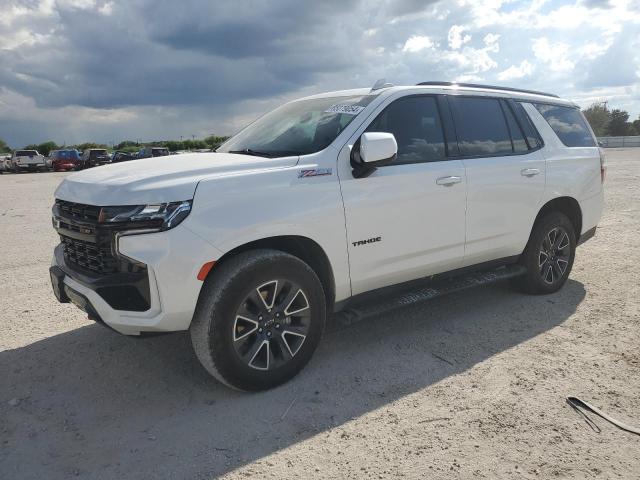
<point x="603" y="165"/>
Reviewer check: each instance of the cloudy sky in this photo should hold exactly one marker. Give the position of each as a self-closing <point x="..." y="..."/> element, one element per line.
<point x="108" y="70"/>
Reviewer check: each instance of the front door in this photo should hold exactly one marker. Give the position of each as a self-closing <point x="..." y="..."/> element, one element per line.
<point x="407" y="219"/>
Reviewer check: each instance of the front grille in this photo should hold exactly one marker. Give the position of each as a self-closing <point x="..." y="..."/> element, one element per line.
<point x="78" y="211"/>
<point x="91" y="256"/>
<point x="86" y="246"/>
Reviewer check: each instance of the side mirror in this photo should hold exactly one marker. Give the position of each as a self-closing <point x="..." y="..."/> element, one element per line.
<point x="378" y="148"/>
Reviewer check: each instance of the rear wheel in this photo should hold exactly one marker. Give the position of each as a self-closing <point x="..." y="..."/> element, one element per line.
<point x="259" y="319"/>
<point x="549" y="254"/>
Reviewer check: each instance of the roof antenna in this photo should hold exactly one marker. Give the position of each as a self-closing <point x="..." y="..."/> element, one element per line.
<point x="382" y="83"/>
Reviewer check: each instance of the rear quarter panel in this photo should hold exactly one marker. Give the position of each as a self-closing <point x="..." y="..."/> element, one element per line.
<point x="571" y="172"/>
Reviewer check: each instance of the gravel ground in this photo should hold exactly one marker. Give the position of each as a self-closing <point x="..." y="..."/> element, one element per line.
<point x="471" y="385"/>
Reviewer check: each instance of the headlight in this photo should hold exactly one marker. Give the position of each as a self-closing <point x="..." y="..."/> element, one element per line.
<point x="156" y="217"/>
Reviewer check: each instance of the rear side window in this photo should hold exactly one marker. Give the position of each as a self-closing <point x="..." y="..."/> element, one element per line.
<point x="415" y="122"/>
<point x="530" y="132"/>
<point x="517" y="137"/>
<point x="97" y="153"/>
<point x="481" y="127"/>
<point x="568" y="124"/>
<point x="159" y="152"/>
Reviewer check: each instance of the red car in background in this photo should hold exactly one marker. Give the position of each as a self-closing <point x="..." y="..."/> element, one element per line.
<point x="62" y="160"/>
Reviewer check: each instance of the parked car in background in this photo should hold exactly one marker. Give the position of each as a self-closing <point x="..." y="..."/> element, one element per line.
<point x="27" y="160"/>
<point x="94" y="157"/>
<point x="149" y="152"/>
<point x="118" y="157"/>
<point x="4" y="162"/>
<point x="64" y="160"/>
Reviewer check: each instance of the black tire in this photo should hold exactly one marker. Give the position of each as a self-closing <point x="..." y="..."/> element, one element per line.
<point x="545" y="261"/>
<point x="231" y="289"/>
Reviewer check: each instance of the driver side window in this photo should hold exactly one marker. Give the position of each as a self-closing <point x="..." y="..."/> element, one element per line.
<point x="415" y="123"/>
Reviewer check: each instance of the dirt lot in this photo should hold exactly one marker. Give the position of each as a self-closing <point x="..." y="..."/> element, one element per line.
<point x="467" y="386"/>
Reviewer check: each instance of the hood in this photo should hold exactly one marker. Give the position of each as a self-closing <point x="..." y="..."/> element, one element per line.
<point x="158" y="179"/>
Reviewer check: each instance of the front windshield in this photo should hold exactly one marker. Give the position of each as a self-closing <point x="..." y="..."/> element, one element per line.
<point x="297" y="128"/>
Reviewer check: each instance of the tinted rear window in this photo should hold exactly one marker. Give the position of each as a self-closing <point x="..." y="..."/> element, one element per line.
<point x="26" y="153"/>
<point x="568" y="124"/>
<point x="519" y="143"/>
<point x="530" y="132"/>
<point x="481" y="126"/>
<point x="97" y="153"/>
<point x="67" y="155"/>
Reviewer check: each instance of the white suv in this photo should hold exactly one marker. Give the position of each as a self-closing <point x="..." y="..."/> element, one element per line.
<point x="321" y="200"/>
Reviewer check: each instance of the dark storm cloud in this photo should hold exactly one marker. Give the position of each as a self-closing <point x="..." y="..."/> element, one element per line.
<point x="264" y="28"/>
<point x="180" y="53"/>
<point x="111" y="69"/>
<point x="405" y="7"/>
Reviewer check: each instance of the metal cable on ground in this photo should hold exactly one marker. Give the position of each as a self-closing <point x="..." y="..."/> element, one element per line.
<point x="578" y="404"/>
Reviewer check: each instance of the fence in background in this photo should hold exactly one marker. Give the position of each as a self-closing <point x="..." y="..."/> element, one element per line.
<point x="631" y="141"/>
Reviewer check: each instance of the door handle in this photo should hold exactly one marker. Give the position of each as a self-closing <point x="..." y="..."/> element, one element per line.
<point x="448" y="181"/>
<point x="529" y="172"/>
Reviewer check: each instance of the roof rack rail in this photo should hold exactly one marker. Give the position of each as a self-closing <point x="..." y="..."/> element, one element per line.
<point x="492" y="87"/>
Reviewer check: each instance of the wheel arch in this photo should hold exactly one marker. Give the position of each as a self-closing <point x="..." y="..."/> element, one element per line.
<point x="304" y="248"/>
<point x="567" y="205"/>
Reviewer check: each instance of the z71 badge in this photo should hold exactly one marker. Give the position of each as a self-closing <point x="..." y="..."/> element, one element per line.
<point x="314" y="172"/>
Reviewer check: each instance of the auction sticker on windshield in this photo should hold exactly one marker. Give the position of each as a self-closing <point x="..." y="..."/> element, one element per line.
<point x="347" y="109"/>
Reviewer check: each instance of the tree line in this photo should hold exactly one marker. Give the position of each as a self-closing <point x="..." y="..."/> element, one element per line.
<point x="610" y="123"/>
<point x="604" y="122"/>
<point x="129" y="146"/>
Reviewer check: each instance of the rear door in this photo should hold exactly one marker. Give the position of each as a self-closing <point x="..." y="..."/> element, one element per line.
<point x="405" y="220"/>
<point x="505" y="176"/>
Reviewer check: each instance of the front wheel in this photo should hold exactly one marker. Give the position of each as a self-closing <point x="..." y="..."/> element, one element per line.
<point x="259" y="319"/>
<point x="549" y="254"/>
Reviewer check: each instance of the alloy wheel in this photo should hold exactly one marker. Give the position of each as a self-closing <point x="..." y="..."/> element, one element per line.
<point x="554" y="255"/>
<point x="271" y="324"/>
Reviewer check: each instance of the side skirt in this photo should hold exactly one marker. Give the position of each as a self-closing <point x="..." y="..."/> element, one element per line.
<point x="387" y="299"/>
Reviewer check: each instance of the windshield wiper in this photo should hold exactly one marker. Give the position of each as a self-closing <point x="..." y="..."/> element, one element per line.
<point x="255" y="153"/>
<point x="258" y="153"/>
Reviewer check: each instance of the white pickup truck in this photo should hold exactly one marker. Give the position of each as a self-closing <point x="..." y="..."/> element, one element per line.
<point x="27" y="160"/>
<point x="319" y="202"/>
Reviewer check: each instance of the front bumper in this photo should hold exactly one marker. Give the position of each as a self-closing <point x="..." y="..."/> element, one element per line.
<point x="173" y="259"/>
<point x="30" y="166"/>
<point x="64" y="166"/>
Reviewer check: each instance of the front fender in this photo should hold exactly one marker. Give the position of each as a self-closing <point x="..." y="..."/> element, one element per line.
<point x="231" y="211"/>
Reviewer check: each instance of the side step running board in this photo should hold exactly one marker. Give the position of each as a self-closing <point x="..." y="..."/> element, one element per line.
<point x="379" y="302"/>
